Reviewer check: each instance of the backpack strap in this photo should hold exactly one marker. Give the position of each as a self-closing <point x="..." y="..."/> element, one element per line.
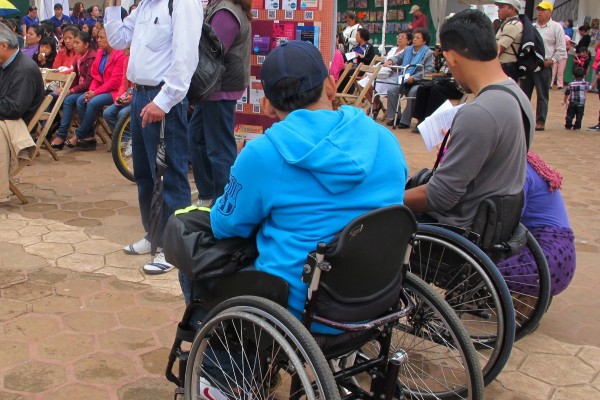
<point x="170" y="5"/>
<point x="526" y="122"/>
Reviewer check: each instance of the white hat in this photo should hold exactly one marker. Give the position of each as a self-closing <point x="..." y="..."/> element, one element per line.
<point x="414" y="8"/>
<point x="516" y="4"/>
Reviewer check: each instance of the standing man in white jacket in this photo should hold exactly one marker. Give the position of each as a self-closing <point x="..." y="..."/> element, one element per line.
<point x="163" y="36"/>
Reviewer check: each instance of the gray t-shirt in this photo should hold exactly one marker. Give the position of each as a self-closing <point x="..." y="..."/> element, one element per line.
<point x="486" y="156"/>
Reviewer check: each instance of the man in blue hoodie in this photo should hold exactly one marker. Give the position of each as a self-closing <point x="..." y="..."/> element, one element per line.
<point x="311" y="173"/>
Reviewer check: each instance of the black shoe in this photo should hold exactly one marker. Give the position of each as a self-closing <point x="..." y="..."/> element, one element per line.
<point x="57" y="146"/>
<point x="403" y="126"/>
<point x="594" y="128"/>
<point x="390" y="123"/>
<point x="87" y="145"/>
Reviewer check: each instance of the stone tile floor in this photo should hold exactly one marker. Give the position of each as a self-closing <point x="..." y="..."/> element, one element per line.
<point x="78" y="318"/>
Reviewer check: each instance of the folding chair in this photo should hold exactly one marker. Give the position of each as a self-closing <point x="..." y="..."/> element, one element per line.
<point x="65" y="81"/>
<point x="32" y="124"/>
<point x="343" y="74"/>
<point x="377" y="59"/>
<point x="361" y="100"/>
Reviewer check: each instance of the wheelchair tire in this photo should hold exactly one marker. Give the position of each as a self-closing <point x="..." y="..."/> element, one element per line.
<point x="529" y="307"/>
<point x="250" y="347"/>
<point x="470" y="282"/>
<point x="432" y="322"/>
<point x="121" y="146"/>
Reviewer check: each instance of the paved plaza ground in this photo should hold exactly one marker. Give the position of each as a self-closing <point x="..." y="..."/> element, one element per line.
<point x="79" y="320"/>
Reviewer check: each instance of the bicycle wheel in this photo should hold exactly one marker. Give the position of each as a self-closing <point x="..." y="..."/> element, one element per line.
<point x="249" y="347"/>
<point x="528" y="281"/>
<point x="121" y="146"/>
<point x="471" y="284"/>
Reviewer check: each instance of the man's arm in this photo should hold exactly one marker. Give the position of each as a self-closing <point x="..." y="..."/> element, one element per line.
<point x="187" y="26"/>
<point x="561" y="48"/>
<point x="416" y="199"/>
<point x="18" y="99"/>
<point x="119" y="33"/>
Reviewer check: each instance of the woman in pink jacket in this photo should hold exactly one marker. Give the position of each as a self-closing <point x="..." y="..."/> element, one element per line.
<point x="107" y="73"/>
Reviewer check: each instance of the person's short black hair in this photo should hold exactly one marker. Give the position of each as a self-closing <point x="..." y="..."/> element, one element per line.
<point x="408" y="34"/>
<point x="582" y="48"/>
<point x="470" y="34"/>
<point x="425" y="33"/>
<point x="58" y="6"/>
<point x="288" y="99"/>
<point x="49" y="41"/>
<point x="584" y="28"/>
<point x="578" y="72"/>
<point x="364" y="34"/>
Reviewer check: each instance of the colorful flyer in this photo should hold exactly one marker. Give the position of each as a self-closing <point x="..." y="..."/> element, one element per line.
<point x="272" y="4"/>
<point x="283" y="32"/>
<point x="290" y="5"/>
<point x="256" y="91"/>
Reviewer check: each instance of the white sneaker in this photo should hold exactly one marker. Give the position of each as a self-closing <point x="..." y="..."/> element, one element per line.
<point x="209" y="392"/>
<point x="204" y="203"/>
<point x="158" y="266"/>
<point x="128" y="150"/>
<point x="139" y="247"/>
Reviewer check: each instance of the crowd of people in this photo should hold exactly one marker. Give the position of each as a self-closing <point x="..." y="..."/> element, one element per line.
<point x="308" y="164"/>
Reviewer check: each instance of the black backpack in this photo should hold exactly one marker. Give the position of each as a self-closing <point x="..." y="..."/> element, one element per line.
<point x="531" y="54"/>
<point x="207" y="76"/>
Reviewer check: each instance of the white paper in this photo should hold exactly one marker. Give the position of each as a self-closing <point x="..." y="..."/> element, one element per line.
<point x="431" y="128"/>
<point x="350" y="55"/>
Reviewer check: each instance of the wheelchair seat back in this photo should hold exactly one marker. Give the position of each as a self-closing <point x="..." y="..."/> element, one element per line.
<point x="497" y="218"/>
<point x="366" y="259"/>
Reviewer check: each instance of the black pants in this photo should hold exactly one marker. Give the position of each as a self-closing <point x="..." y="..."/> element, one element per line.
<point x="574" y="111"/>
<point x="430" y="97"/>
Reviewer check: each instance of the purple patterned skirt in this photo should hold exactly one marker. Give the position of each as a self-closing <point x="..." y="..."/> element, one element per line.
<point x="558" y="246"/>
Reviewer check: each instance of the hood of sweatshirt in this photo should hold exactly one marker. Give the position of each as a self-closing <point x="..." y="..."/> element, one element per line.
<point x="336" y="147"/>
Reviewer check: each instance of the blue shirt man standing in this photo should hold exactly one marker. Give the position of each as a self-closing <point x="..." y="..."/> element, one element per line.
<point x="163" y="40"/>
<point x="59" y="18"/>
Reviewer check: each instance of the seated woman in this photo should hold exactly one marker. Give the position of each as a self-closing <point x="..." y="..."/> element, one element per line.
<point x="364" y="53"/>
<point x="432" y="95"/>
<point x="545" y="216"/>
<point x="66" y="54"/>
<point x="32" y="40"/>
<point x="83" y="79"/>
<point x="46" y="53"/>
<point x="107" y="73"/>
<point x="387" y="77"/>
<point x="122" y="104"/>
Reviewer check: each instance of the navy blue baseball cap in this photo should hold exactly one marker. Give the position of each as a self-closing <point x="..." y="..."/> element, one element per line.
<point x="294" y="59"/>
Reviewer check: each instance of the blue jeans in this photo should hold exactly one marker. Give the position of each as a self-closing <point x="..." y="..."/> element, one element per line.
<point x="69" y="104"/>
<point x="176" y="189"/>
<point x="113" y="114"/>
<point x="212" y="146"/>
<point x="89" y="112"/>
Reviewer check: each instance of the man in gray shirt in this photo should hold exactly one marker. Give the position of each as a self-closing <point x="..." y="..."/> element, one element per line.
<point x="486" y="153"/>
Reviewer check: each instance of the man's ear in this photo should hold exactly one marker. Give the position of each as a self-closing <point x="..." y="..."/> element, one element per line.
<point x="329" y="87"/>
<point x="450" y="56"/>
<point x="267" y="108"/>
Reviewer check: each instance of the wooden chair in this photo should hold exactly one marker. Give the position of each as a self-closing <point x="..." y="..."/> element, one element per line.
<point x="343" y="74"/>
<point x="30" y="127"/>
<point x="377" y="59"/>
<point x="65" y="81"/>
<point x="360" y="100"/>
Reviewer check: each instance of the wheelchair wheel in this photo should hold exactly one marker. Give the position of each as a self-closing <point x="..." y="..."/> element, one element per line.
<point x="252" y="348"/>
<point x="529" y="289"/>
<point x="472" y="285"/>
<point x="121" y="146"/>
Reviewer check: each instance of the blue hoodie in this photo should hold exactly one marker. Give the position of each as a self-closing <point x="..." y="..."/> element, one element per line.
<point x="302" y="181"/>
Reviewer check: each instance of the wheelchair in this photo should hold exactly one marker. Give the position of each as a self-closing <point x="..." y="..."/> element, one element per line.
<point x="398" y="338"/>
<point x="496" y="306"/>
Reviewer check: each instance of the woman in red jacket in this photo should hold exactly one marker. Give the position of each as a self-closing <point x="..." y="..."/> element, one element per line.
<point x="83" y="78"/>
<point x="66" y="54"/>
<point x="107" y="73"/>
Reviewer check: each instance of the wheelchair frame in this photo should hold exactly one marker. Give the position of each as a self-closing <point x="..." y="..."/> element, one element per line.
<point x="445" y="331"/>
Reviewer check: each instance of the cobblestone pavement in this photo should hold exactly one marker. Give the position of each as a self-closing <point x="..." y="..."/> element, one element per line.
<point x="79" y="320"/>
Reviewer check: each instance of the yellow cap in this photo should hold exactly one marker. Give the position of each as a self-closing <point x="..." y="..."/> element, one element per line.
<point x="546" y="5"/>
